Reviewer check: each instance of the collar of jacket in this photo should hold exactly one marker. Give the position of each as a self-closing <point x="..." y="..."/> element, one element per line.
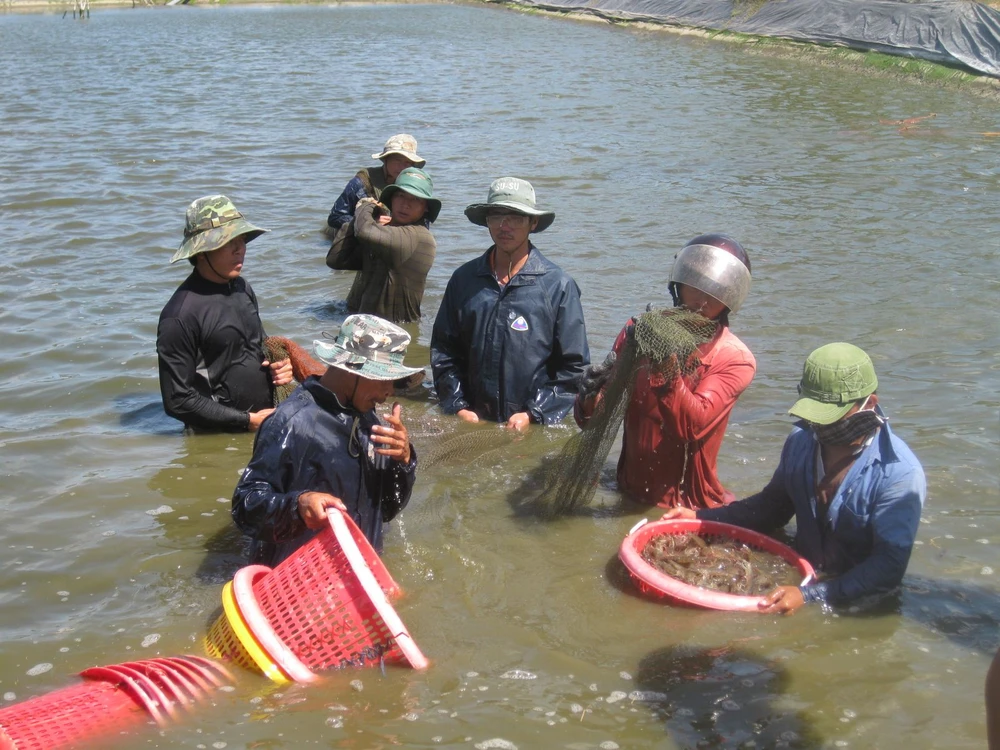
<point x="199" y="282"/>
<point x="325" y="398"/>
<point x="536" y="265"/>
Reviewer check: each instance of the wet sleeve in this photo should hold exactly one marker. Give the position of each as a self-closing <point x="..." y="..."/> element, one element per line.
<point x="343" y="209"/>
<point x="770" y="509"/>
<point x="569" y="358"/>
<point x="177" y="352"/>
<point x="345" y="252"/>
<point x="894" y="522"/>
<point x="394" y="245"/>
<point x="578" y="413"/>
<point x="400" y="486"/>
<point x="695" y="413"/>
<point x="263" y="509"/>
<point x="449" y="359"/>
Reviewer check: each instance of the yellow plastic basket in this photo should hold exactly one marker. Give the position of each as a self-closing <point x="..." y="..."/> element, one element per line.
<point x="229" y="638"/>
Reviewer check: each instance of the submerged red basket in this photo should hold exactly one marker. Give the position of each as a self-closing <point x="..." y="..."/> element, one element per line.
<point x="111" y="699"/>
<point x="329" y="603"/>
<point x="69" y="717"/>
<point x="660" y="585"/>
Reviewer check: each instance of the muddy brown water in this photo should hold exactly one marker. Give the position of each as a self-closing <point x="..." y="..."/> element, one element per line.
<point x="116" y="537"/>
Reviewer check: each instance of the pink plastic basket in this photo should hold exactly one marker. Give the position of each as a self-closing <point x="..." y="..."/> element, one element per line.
<point x="328" y="603"/>
<point x="69" y="717"/>
<point x="656" y="584"/>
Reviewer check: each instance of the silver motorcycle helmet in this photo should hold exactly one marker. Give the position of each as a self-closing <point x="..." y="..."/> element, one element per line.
<point x="715" y="264"/>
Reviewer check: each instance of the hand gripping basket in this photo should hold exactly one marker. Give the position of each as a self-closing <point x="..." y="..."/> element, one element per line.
<point x="657" y="584"/>
<point x="329" y="603"/>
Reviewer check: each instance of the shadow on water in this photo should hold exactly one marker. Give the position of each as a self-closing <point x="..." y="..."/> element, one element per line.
<point x="722" y="698"/>
<point x="137" y="413"/>
<point x="965" y="614"/>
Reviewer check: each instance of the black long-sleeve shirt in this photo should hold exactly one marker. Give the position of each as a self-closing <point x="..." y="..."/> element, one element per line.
<point x="210" y="345"/>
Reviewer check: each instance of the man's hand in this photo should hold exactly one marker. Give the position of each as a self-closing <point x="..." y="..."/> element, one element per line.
<point x="393" y="438"/>
<point x="784" y="600"/>
<point x="519" y="422"/>
<point x="595" y="377"/>
<point x="281" y="372"/>
<point x="257" y="418"/>
<point x="675" y="513"/>
<point x="314" y="507"/>
<point x="467" y="415"/>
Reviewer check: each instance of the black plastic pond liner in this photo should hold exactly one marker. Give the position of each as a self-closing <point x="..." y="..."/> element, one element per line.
<point x="949" y="32"/>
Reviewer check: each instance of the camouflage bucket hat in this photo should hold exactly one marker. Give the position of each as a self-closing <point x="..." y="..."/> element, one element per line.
<point x="368" y="346"/>
<point x="210" y="223"/>
<point x="403" y="144"/>
<point x="834" y="377"/>
<point x="514" y="195"/>
<point x="417" y="183"/>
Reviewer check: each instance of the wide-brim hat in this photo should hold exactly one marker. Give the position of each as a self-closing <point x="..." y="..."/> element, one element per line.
<point x="368" y="346"/>
<point x="834" y="378"/>
<point x="210" y="223"/>
<point x="417" y="183"/>
<point x="514" y="195"/>
<point x="403" y="144"/>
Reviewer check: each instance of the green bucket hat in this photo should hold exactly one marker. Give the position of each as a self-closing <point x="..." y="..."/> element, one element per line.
<point x="834" y="377"/>
<point x="514" y="195"/>
<point x="417" y="183"/>
<point x="210" y="223"/>
<point x="368" y="346"/>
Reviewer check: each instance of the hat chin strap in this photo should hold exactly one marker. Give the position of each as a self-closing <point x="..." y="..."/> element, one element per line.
<point x="357" y="382"/>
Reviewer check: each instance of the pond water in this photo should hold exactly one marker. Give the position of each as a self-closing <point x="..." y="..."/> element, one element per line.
<point x="116" y="537"/>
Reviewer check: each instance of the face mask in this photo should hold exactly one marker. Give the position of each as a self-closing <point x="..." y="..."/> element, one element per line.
<point x="847" y="430"/>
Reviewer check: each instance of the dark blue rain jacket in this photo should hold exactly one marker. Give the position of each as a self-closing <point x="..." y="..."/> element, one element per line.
<point x="312" y="443"/>
<point x="502" y="351"/>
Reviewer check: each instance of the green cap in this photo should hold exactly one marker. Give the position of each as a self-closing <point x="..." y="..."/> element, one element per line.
<point x="368" y="346"/>
<point x="210" y="223"/>
<point x="834" y="377"/>
<point x="514" y="195"/>
<point x="417" y="183"/>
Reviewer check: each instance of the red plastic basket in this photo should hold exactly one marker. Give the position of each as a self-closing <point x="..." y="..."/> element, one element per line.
<point x="657" y="584"/>
<point x="328" y="603"/>
<point x="261" y="629"/>
<point x="69" y="717"/>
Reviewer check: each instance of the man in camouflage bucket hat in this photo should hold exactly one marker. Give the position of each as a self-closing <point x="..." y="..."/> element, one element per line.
<point x="324" y="448"/>
<point x="399" y="153"/>
<point x="214" y="374"/>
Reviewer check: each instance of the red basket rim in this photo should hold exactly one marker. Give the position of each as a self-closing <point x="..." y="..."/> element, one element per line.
<point x="260" y="627"/>
<point x="194" y="681"/>
<point x="630" y="553"/>
<point x="209" y="668"/>
<point x="406" y="644"/>
<point x="168" y="677"/>
<point x="135" y="690"/>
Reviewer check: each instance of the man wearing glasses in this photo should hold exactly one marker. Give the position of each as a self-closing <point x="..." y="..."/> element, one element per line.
<point x="509" y="341"/>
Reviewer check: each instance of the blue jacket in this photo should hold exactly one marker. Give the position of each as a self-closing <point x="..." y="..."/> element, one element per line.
<point x="307" y="445"/>
<point x="345" y="205"/>
<point x="502" y="351"/>
<point x="865" y="543"/>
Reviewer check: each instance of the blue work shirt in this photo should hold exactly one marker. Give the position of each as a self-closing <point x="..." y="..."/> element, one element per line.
<point x="863" y="545"/>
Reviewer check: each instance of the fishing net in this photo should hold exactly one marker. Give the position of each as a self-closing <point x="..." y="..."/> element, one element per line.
<point x="465" y="447"/>
<point x="278" y="348"/>
<point x="664" y="341"/>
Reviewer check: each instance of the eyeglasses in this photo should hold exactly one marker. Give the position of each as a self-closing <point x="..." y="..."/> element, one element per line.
<point x="514" y="221"/>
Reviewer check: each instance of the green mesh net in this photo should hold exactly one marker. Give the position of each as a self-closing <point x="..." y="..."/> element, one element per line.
<point x="664" y="343"/>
